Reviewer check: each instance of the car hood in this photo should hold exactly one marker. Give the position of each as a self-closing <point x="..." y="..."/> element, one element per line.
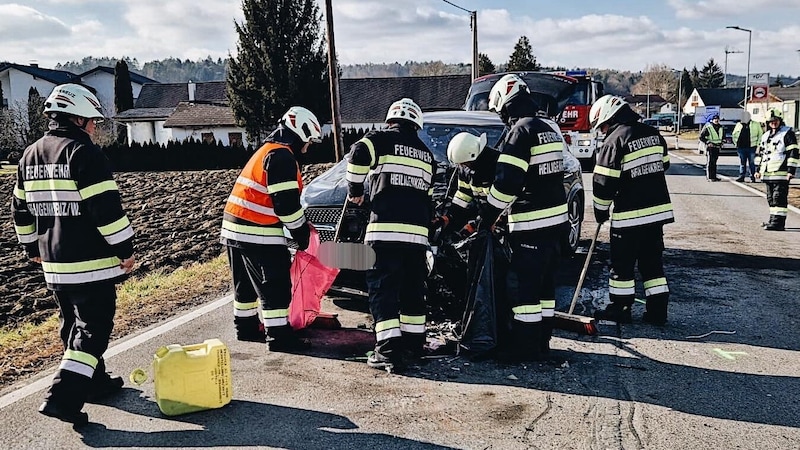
<point x="330" y="188"/>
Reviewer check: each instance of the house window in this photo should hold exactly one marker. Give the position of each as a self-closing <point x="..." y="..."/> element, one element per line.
<point x="208" y="138"/>
<point x="755" y="110"/>
<point x="235" y="139"/>
<point x="694" y="98"/>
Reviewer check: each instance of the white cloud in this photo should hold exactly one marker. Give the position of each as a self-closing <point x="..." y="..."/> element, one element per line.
<point x="20" y="23"/>
<point x="688" y="9"/>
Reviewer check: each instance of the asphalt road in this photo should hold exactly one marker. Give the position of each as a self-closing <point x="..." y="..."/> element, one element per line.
<point x="632" y="387"/>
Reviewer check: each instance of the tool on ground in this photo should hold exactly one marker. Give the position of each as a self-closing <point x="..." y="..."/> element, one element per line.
<point x="346" y="255"/>
<point x="573" y="322"/>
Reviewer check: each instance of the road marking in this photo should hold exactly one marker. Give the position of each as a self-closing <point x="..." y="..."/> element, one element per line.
<point x="116" y="349"/>
<point x="728" y="355"/>
<point x="730" y="180"/>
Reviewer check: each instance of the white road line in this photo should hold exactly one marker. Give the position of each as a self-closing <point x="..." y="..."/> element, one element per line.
<point x="116" y="349"/>
<point x="731" y="180"/>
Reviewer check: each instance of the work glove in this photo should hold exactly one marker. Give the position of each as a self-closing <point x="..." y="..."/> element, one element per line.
<point x="600" y="215"/>
<point x="468" y="229"/>
<point x="487" y="217"/>
<point x="440" y="222"/>
<point x="301" y="235"/>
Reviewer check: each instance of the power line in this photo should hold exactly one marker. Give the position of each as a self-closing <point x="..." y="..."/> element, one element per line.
<point x="459" y="7"/>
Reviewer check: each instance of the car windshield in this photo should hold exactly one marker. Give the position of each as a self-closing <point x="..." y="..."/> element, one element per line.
<point x="437" y="136"/>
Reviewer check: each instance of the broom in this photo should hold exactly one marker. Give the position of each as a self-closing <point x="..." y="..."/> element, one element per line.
<point x="573" y="322"/>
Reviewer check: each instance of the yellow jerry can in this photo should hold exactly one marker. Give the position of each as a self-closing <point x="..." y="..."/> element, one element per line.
<point x="191" y="378"/>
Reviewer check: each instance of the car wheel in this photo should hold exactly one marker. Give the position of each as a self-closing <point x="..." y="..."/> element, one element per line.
<point x="575" y="211"/>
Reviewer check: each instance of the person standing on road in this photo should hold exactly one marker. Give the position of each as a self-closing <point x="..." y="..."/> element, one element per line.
<point x="529" y="179"/>
<point x="400" y="214"/>
<point x="779" y="162"/>
<point x="711" y="135"/>
<point x="747" y="135"/>
<point x="68" y="214"/>
<point x="264" y="199"/>
<point x="629" y="175"/>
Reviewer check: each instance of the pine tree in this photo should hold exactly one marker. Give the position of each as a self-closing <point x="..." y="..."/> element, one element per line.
<point x="281" y="62"/>
<point x="687" y="86"/>
<point x="485" y="65"/>
<point x="711" y="76"/>
<point x="37" y="122"/>
<point x="522" y="58"/>
<point x="695" y="77"/>
<point x="123" y="97"/>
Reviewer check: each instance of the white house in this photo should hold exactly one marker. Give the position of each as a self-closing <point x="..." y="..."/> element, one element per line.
<point x="17" y="79"/>
<point x="177" y="111"/>
<point x="101" y="79"/>
<point x="722" y="97"/>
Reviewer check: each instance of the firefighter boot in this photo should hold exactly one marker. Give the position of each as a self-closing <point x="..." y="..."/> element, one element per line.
<point x="656" y="311"/>
<point x="544" y="338"/>
<point x="615" y="312"/>
<point x="283" y="339"/>
<point x="776" y="224"/>
<point x="250" y="329"/>
<point x="388" y="355"/>
<point x="524" y="345"/>
<point x="76" y="418"/>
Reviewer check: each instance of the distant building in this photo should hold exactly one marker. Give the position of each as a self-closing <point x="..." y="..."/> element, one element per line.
<point x="787" y="99"/>
<point x="722" y="97"/>
<point x="17" y="79"/>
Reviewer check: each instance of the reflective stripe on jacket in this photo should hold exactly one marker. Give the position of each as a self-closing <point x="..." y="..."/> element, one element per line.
<point x="400" y="168"/>
<point x="712" y="135"/>
<point x="530" y="177"/>
<point x="630" y="175"/>
<point x="67" y="210"/>
<point x="779" y="155"/>
<point x="250" y="215"/>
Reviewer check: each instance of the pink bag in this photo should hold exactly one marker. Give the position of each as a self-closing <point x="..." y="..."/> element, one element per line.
<point x="310" y="281"/>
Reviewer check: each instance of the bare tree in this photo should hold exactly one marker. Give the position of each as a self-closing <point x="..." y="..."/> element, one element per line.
<point x="430" y="69"/>
<point x="658" y="79"/>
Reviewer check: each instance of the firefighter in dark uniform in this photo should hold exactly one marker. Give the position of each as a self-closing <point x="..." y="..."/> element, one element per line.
<point x="629" y="175"/>
<point x="400" y="196"/>
<point x="475" y="173"/>
<point x="264" y="199"/>
<point x="779" y="156"/>
<point x="68" y="214"/>
<point x="529" y="178"/>
<point x="712" y="135"/>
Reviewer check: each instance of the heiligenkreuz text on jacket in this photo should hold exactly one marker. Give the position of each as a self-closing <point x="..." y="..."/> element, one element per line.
<point x="66" y="194"/>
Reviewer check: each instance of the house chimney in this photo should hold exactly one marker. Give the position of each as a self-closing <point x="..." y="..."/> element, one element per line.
<point x="192" y="88"/>
<point x="34" y="63"/>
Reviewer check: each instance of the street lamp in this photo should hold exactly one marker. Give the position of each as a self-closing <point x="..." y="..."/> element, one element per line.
<point x="749" y="42"/>
<point x="473" y="24"/>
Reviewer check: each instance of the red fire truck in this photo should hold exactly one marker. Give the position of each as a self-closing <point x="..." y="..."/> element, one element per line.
<point x="574" y="119"/>
<point x="566" y="95"/>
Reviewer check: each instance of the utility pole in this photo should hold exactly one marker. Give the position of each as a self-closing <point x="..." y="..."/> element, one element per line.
<point x="749" y="47"/>
<point x="473" y="23"/>
<point x="333" y="74"/>
<point x="727" y="52"/>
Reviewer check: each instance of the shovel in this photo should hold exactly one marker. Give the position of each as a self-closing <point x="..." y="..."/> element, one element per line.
<point x="573" y="322"/>
<point x="346" y="255"/>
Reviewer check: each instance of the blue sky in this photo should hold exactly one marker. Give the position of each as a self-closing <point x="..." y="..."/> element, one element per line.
<point x="612" y="34"/>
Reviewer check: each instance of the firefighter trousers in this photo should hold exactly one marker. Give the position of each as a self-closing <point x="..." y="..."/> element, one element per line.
<point x="261" y="277"/>
<point x="778" y="200"/>
<point x="396" y="287"/>
<point x="531" y="291"/>
<point x="86" y="319"/>
<point x="642" y="247"/>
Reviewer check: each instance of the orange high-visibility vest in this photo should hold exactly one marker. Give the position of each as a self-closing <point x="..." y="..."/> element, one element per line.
<point x="250" y="199"/>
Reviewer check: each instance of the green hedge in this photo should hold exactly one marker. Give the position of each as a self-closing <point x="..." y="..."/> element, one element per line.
<point x="195" y="155"/>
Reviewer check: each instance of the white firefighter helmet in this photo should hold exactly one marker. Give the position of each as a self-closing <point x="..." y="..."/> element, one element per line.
<point x="506" y="88"/>
<point x="774" y="114"/>
<point x="75" y="100"/>
<point x="303" y="123"/>
<point x="604" y="109"/>
<point x="405" y="109"/>
<point x="465" y="147"/>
